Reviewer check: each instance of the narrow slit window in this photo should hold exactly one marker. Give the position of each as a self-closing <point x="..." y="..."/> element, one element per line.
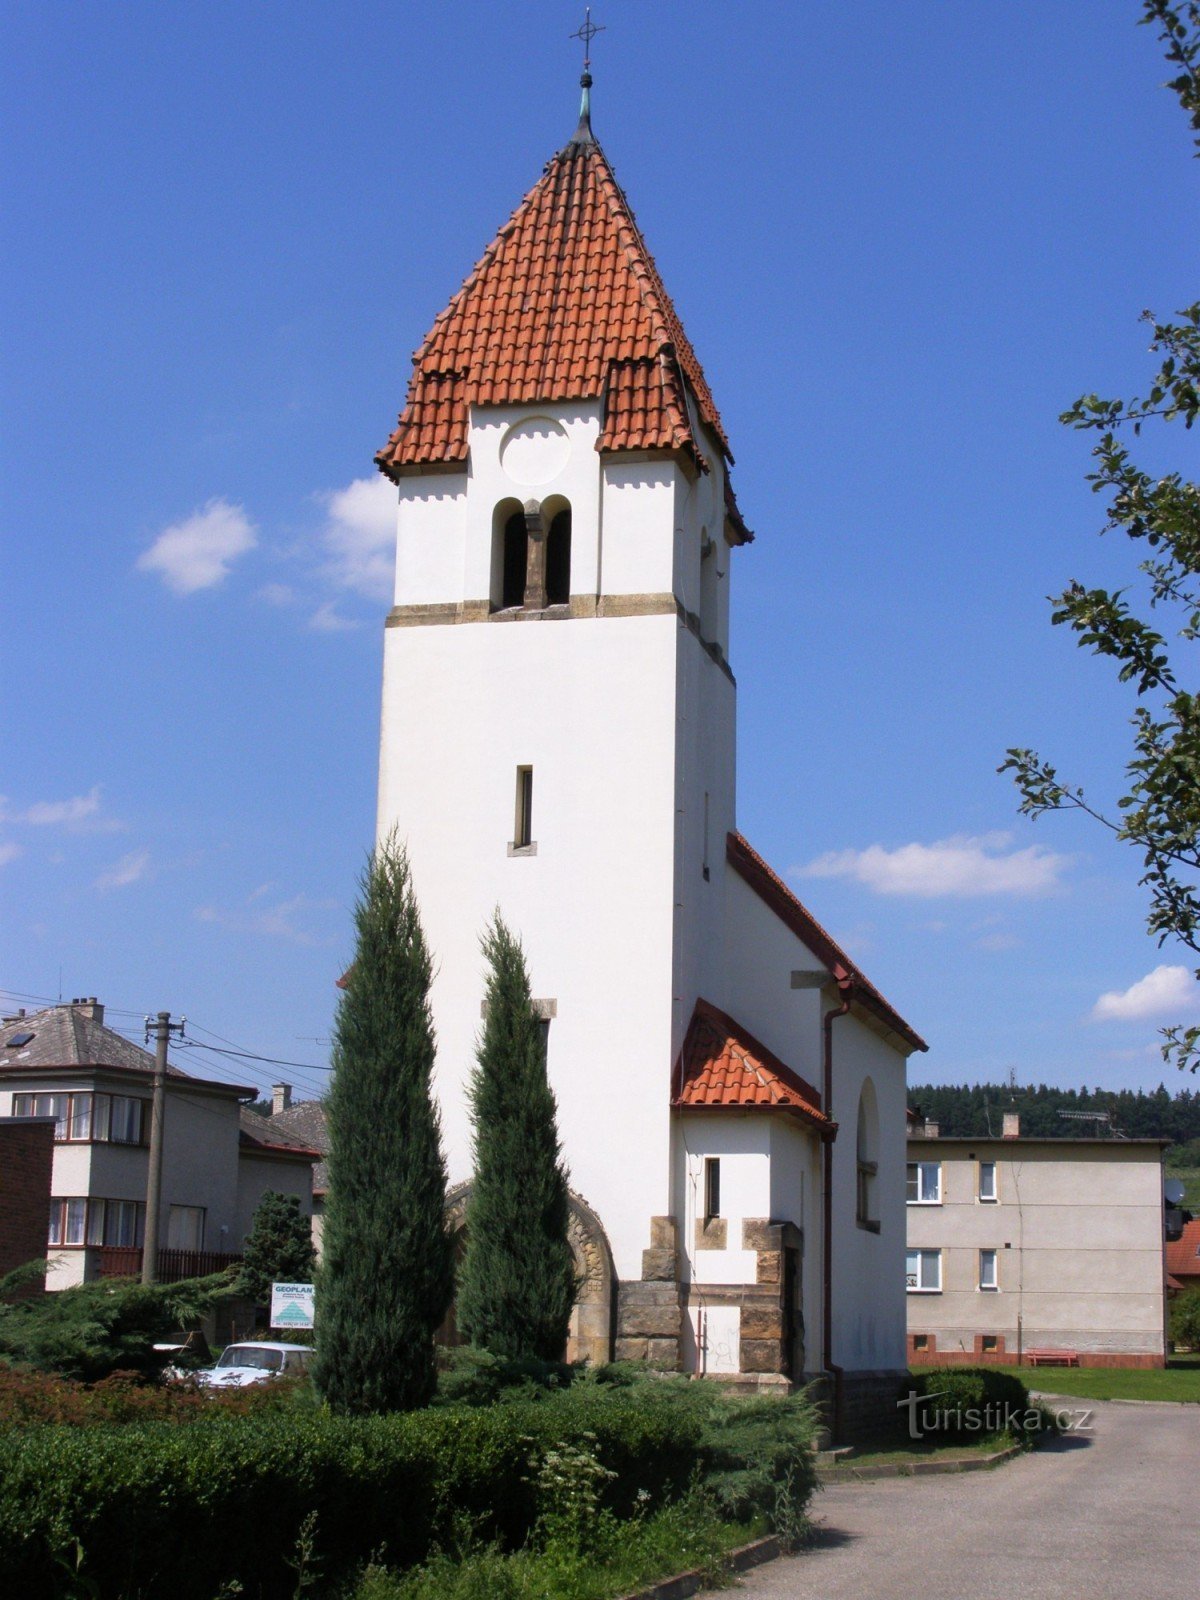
<point x="987" y="1181"/>
<point x="988" y="1278"/>
<point x="712" y="1188"/>
<point x="523" y="832"/>
<point x="707" y="809"/>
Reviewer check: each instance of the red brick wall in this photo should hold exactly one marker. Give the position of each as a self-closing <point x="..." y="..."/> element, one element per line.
<point x="993" y="1358"/>
<point x="26" y="1157"/>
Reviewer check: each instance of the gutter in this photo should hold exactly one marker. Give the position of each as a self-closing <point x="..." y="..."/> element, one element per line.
<point x="846" y="988"/>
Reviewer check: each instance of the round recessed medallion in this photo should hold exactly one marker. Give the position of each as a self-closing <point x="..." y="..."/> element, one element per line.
<point x="534" y="451"/>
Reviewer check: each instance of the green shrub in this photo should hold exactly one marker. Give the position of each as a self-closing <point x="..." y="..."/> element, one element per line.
<point x="162" y="1511"/>
<point x="108" y="1326"/>
<point x="960" y="1402"/>
<point x="1184" y="1326"/>
<point x="28" y="1396"/>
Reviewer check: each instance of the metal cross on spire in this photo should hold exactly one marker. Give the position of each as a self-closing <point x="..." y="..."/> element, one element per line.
<point x="583" y="133"/>
<point x="587" y="33"/>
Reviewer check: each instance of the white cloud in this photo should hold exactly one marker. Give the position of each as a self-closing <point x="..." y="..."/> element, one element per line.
<point x="79" y="814"/>
<point x="281" y="921"/>
<point x="1165" y="992"/>
<point x="128" y="870"/>
<point x="198" y="552"/>
<point x="328" y="619"/>
<point x="360" y="537"/>
<point x="960" y="866"/>
<point x="278" y="594"/>
<point x="9" y="852"/>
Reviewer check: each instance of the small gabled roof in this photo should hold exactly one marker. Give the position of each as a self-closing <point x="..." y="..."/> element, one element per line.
<point x="306" y="1124"/>
<point x="1183" y="1254"/>
<point x="724" y="1067"/>
<point x="566" y="303"/>
<point x="257" y="1134"/>
<point x="773" y="892"/>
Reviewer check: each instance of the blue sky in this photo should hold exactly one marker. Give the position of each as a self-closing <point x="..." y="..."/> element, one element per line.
<point x="902" y="239"/>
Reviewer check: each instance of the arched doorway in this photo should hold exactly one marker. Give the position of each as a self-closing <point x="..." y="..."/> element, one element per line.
<point x="589" y="1337"/>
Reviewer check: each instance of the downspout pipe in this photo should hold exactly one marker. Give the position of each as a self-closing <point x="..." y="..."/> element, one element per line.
<point x="846" y="989"/>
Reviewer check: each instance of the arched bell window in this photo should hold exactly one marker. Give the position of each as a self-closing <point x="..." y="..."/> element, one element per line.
<point x="558" y="559"/>
<point x="515" y="561"/>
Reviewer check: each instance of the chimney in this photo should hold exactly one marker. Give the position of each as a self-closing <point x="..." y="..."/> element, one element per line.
<point x="932" y="1129"/>
<point x="89" y="1006"/>
<point x="1012" y="1124"/>
<point x="281" y="1098"/>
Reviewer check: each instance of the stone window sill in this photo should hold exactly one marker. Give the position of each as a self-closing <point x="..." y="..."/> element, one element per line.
<point x="522" y="849"/>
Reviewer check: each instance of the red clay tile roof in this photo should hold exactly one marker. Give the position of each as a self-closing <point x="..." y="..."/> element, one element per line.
<point x="564" y="304"/>
<point x="772" y="890"/>
<point x="1183" y="1256"/>
<point x="722" y="1066"/>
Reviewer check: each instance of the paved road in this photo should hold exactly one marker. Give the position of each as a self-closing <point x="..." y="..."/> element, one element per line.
<point x="1102" y="1516"/>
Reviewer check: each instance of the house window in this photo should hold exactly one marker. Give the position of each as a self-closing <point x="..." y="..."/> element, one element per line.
<point x="523" y="825"/>
<point x="987" y="1181"/>
<point x="989" y="1342"/>
<point x="712" y="1188"/>
<point x="924" y="1183"/>
<point x="81" y="1118"/>
<point x="185" y="1228"/>
<point x="558" y="560"/>
<point x="920" y="1341"/>
<point x="988" y="1270"/>
<point x="923" y="1271"/>
<point x="80" y="1220"/>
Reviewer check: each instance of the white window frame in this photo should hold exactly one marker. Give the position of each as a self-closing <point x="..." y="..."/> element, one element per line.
<point x="920" y="1167"/>
<point x="994" y="1257"/>
<point x="915" y="1278"/>
<point x="994" y="1197"/>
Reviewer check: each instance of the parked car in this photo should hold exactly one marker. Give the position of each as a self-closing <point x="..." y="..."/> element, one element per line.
<point x="256" y="1362"/>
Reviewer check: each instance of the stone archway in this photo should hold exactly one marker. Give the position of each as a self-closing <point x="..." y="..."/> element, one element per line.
<point x="589" y="1337"/>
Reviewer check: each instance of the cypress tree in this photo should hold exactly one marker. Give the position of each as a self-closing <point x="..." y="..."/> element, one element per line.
<point x="386" y="1277"/>
<point x="517" y="1280"/>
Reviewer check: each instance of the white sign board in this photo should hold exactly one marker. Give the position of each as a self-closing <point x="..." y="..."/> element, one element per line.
<point x="291" y="1305"/>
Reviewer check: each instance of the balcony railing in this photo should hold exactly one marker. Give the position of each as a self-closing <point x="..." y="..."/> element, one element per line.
<point x="125" y="1261"/>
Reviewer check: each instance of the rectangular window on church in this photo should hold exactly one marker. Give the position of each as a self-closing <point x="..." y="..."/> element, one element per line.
<point x="712" y="1188"/>
<point x="523" y="830"/>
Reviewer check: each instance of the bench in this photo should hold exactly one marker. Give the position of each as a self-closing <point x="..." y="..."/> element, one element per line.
<point x="1052" y="1358"/>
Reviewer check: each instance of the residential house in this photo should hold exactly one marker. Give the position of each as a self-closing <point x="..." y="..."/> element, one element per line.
<point x="1183" y="1257"/>
<point x="65" y="1063"/>
<point x="305" y="1123"/>
<point x="1020" y="1246"/>
<point x="558" y="741"/>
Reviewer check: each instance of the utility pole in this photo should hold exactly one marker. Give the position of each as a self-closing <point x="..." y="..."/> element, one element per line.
<point x="162" y="1028"/>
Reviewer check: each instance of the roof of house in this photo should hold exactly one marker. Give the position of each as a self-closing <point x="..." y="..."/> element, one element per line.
<point x="263" y="1135"/>
<point x="306" y="1123"/>
<point x="1183" y="1255"/>
<point x="724" y="1067"/>
<point x="69" y="1037"/>
<point x="566" y="303"/>
<point x="772" y="890"/>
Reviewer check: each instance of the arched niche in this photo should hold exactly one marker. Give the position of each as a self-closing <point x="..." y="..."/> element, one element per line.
<point x="589" y="1337"/>
<point x="556" y="519"/>
<point x="510" y="554"/>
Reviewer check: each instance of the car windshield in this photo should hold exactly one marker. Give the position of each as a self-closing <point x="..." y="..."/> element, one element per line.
<point x="248" y="1355"/>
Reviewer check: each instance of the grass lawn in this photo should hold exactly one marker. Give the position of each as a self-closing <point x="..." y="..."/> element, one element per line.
<point x="1180" y="1380"/>
<point x="896" y="1450"/>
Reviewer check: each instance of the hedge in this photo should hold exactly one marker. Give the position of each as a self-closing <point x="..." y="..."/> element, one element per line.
<point x="170" y="1513"/>
<point x="960" y="1395"/>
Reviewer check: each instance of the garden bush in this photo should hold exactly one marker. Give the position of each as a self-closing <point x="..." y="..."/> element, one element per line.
<point x="28" y="1396"/>
<point x="162" y="1511"/>
<point x="1184" y="1325"/>
<point x="969" y="1401"/>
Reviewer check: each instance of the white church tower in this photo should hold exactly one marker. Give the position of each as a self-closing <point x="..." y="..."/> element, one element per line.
<point x="558" y="742"/>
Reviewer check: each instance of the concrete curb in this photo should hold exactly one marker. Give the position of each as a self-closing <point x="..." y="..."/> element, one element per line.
<point x="917" y="1469"/>
<point x="689" y="1583"/>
